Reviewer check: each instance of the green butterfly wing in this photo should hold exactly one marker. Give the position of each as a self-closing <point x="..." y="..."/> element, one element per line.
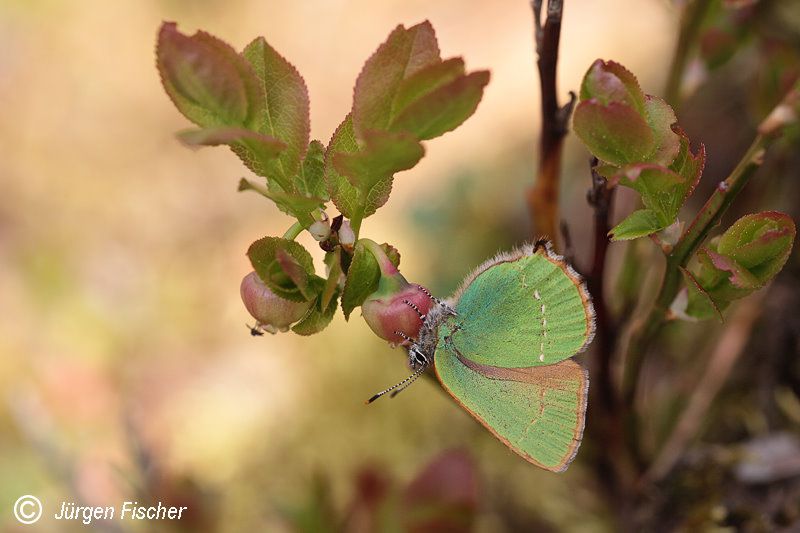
<point x="505" y="355"/>
<point x="521" y="310"/>
<point x="538" y="412"/>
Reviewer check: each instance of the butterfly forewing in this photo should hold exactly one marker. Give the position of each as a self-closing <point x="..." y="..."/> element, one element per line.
<point x="524" y="311"/>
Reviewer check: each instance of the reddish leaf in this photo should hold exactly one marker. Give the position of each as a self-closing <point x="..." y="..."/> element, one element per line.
<point x="615" y="133"/>
<point x="286" y="113"/>
<point x="230" y="135"/>
<point x="206" y="79"/>
<point x="739" y="277"/>
<point x="269" y="257"/>
<point x="405" y="52"/>
<point x="689" y="166"/>
<point x="760" y="242"/>
<point x="660" y="118"/>
<point x="443" y="109"/>
<point x="383" y="155"/>
<point x="611" y="82"/>
<point x="426" y="80"/>
<point x="345" y="197"/>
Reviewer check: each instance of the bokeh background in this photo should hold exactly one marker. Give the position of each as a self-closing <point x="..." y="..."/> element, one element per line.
<point x="126" y="370"/>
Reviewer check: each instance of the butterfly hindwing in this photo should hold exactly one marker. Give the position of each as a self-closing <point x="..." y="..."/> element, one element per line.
<point x="538" y="412"/>
<point x="521" y="310"/>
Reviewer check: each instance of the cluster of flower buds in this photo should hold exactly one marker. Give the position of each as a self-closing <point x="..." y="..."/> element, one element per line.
<point x="395" y="310"/>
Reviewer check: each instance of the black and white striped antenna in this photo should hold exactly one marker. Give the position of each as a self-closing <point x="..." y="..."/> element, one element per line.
<point x="403" y="384"/>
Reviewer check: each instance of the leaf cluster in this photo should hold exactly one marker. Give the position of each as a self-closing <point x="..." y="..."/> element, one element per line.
<point x="743" y="259"/>
<point x="633" y="135"/>
<point x="257" y="103"/>
<point x="639" y="145"/>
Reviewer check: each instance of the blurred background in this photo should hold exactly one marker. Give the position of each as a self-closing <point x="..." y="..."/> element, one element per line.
<point x="126" y="369"/>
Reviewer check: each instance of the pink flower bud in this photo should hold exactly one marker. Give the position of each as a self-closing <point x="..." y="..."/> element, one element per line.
<point x="272" y="312"/>
<point x="397" y="305"/>
<point x="388" y="313"/>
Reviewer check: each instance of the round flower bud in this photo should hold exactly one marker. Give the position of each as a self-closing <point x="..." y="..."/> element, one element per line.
<point x="397" y="307"/>
<point x="320" y="230"/>
<point x="346" y="235"/>
<point x="398" y="311"/>
<point x="271" y="312"/>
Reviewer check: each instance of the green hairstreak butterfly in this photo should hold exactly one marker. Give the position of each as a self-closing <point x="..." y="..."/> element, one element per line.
<point x="502" y="348"/>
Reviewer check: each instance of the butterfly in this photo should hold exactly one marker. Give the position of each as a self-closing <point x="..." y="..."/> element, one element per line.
<point x="502" y="347"/>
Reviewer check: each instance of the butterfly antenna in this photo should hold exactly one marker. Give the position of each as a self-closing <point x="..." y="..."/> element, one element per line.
<point x="403" y="384"/>
<point x="411" y="380"/>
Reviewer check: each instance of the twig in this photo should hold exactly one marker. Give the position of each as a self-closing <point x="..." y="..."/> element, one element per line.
<point x="706" y="219"/>
<point x="725" y="354"/>
<point x="543" y="195"/>
<point x="691" y="20"/>
<point x="613" y="464"/>
<point x="601" y="198"/>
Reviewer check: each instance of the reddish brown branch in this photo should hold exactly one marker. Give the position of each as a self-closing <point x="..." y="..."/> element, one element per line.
<point x="613" y="466"/>
<point x="601" y="198"/>
<point x="543" y="195"/>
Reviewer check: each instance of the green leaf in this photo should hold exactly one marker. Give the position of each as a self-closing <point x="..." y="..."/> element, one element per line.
<point x="405" y="52"/>
<point x="317" y="319"/>
<point x="637" y="224"/>
<point x="687" y="165"/>
<point x="257" y="151"/>
<point x="310" y="181"/>
<point x="738" y="276"/>
<point x="699" y="303"/>
<point x="392" y="253"/>
<point x="296" y="273"/>
<point x="359" y="180"/>
<point x="611" y="82"/>
<point x="745" y="258"/>
<point x="426" y="80"/>
<point x="296" y="205"/>
<point x="405" y="86"/>
<point x="285" y="114"/>
<point x="660" y="118"/>
<point x="370" y="170"/>
<point x="662" y="190"/>
<point x="619" y="123"/>
<point x="444" y="108"/>
<point x="206" y="79"/>
<point x="760" y="242"/>
<point x="362" y="279"/>
<point x="345" y="197"/>
<point x="279" y="263"/>
<point x="614" y="133"/>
